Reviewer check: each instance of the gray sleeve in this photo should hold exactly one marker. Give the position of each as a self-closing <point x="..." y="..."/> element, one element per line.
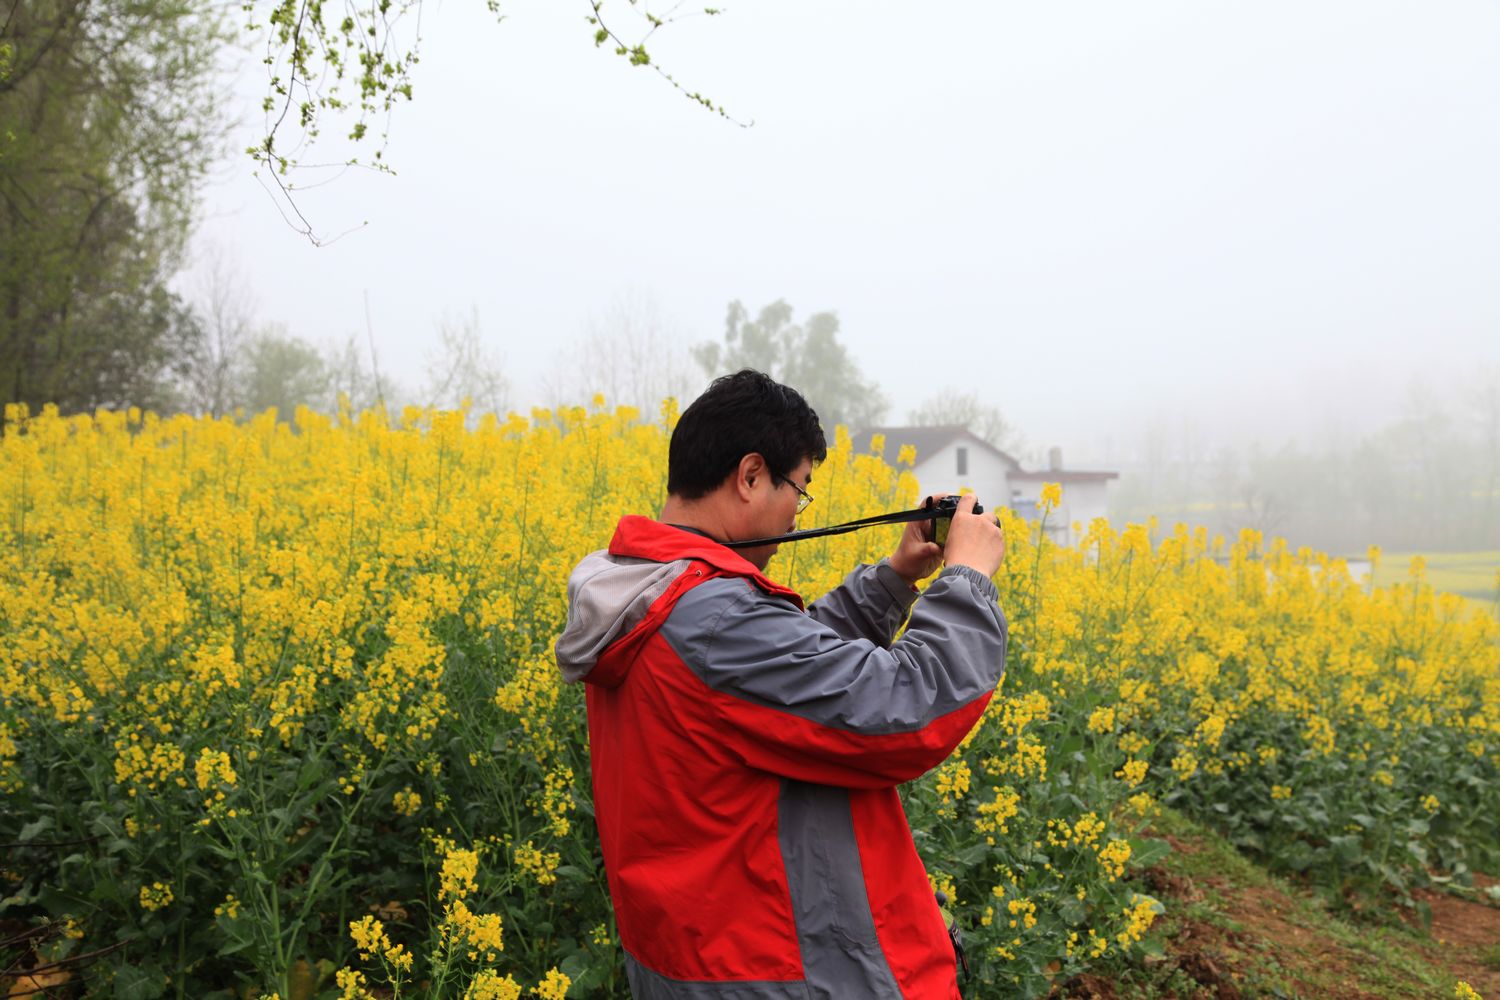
<point x="763" y="651"/>
<point x="871" y="603"/>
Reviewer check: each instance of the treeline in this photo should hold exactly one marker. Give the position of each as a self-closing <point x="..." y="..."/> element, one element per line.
<point x="110" y="118"/>
<point x="109" y="123"/>
<point x="107" y="129"/>
<point x="1427" y="480"/>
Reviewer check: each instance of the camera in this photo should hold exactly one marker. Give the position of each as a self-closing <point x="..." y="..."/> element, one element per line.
<point x="939" y="512"/>
<point x="943" y="510"/>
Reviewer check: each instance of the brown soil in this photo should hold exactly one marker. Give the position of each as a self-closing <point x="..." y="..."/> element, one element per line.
<point x="1264" y="914"/>
<point x="1087" y="987"/>
<point x="1466" y="935"/>
<point x="1463" y="936"/>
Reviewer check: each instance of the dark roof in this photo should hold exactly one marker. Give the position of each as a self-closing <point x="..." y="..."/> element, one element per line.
<point x="1063" y="476"/>
<point x="928" y="441"/>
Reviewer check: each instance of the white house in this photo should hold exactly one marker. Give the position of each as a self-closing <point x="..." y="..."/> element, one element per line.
<point x="950" y="458"/>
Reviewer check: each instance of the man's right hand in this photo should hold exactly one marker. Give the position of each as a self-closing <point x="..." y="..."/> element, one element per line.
<point x="974" y="540"/>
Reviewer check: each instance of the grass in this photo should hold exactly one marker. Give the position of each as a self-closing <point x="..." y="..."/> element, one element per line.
<point x="1475" y="575"/>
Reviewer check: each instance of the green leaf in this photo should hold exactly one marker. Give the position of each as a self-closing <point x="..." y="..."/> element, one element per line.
<point x="140" y="982"/>
<point x="1148" y="851"/>
<point x="973" y="854"/>
<point x="1346" y="848"/>
<point x="1072" y="911"/>
<point x="574" y="965"/>
<point x="30" y="830"/>
<point x="1248" y="841"/>
<point x="1299" y="857"/>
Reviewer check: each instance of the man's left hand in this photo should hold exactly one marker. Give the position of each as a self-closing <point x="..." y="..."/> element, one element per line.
<point x="917" y="556"/>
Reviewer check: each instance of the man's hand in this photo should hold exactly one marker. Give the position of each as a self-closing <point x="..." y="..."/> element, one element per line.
<point x="917" y="556"/>
<point x="974" y="540"/>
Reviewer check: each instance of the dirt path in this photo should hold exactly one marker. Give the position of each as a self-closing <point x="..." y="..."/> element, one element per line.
<point x="1236" y="933"/>
<point x="1466" y="937"/>
<point x="1265" y="925"/>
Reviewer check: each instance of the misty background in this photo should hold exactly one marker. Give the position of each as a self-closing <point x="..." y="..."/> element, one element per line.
<point x="1244" y="255"/>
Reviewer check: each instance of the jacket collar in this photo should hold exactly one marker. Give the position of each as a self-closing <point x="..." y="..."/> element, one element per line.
<point x="645" y="538"/>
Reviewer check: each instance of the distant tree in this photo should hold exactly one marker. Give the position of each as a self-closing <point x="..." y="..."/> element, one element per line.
<point x="953" y="408"/>
<point x="137" y="358"/>
<point x="355" y="378"/>
<point x="1281" y="492"/>
<point x="629" y="354"/>
<point x="107" y="126"/>
<point x="283" y="371"/>
<point x="1427" y="480"/>
<point x="807" y="356"/>
<point x="1484" y="418"/>
<point x="1431" y="472"/>
<point x="461" y="369"/>
<point x="215" y="359"/>
<point x="1174" y="469"/>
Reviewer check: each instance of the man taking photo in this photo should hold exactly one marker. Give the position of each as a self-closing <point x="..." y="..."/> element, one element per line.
<point x="745" y="751"/>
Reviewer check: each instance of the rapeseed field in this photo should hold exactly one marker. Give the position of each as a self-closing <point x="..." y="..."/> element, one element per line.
<point x="281" y="717"/>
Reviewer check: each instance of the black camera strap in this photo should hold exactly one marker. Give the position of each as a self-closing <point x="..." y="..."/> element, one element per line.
<point x="927" y="512"/>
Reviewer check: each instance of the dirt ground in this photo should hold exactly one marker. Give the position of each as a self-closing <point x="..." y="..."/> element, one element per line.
<point x="1466" y="937"/>
<point x="1463" y="934"/>
<point x="1272" y="928"/>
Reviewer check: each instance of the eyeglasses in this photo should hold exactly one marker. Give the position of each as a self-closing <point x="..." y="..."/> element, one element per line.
<point x="803" y="497"/>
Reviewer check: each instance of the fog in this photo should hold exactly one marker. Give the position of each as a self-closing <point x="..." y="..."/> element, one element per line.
<point x="1196" y="223"/>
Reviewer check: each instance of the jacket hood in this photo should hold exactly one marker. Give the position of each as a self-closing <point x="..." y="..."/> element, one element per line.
<point x="613" y="593"/>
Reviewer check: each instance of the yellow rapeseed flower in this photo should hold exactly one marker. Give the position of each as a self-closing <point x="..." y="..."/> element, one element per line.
<point x="458" y="871"/>
<point x="554" y="986"/>
<point x="1133" y="772"/>
<point x="488" y="984"/>
<point x="541" y="865"/>
<point x="1102" y="719"/>
<point x="156" y="896"/>
<point x="406" y="802"/>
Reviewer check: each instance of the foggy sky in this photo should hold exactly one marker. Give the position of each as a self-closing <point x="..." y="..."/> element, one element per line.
<point x="1272" y="216"/>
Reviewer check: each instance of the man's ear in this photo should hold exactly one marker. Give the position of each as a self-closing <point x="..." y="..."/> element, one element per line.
<point x="751" y="472"/>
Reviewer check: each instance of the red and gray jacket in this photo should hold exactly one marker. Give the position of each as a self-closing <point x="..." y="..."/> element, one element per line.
<point x="745" y="758"/>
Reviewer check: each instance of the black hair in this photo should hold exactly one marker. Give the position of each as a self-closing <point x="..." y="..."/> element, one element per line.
<point x="739" y="414"/>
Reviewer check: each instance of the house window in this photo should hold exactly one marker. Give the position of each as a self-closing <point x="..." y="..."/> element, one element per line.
<point x="963" y="461"/>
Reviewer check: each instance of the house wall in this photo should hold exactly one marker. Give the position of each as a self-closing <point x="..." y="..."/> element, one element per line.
<point x="987" y="475"/>
<point x="1081" y="503"/>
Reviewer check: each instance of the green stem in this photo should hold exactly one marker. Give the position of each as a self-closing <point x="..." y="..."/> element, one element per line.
<point x="181" y="976"/>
